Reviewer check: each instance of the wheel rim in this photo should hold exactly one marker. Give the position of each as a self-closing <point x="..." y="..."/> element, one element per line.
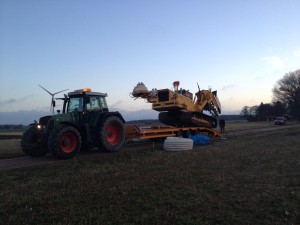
<point x="68" y="142"/>
<point x="112" y="134"/>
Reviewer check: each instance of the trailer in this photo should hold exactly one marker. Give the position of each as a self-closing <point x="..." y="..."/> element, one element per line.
<point x="144" y="131"/>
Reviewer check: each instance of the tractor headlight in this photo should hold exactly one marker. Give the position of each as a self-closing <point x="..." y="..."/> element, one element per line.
<point x="39" y="127"/>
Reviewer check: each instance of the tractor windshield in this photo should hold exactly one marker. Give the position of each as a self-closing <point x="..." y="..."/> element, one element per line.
<point x="75" y="104"/>
<point x="96" y="103"/>
<point x="89" y="103"/>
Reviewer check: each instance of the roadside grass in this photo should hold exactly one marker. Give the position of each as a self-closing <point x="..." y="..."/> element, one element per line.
<point x="12" y="131"/>
<point x="10" y="145"/>
<point x="242" y="124"/>
<point x="10" y="148"/>
<point x="247" y="179"/>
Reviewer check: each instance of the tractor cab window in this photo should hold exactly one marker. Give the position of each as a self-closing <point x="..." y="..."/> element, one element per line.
<point x="96" y="103"/>
<point x="75" y="104"/>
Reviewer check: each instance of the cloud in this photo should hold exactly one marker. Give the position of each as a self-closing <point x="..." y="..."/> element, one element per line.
<point x="139" y="114"/>
<point x="116" y="104"/>
<point x="227" y="87"/>
<point x="14" y="100"/>
<point x="276" y="62"/>
<point x="297" y="53"/>
<point x="21" y="117"/>
<point x="26" y="117"/>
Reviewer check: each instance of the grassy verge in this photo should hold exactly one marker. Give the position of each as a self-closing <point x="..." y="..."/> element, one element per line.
<point x="12" y="131"/>
<point x="10" y="148"/>
<point x="253" y="179"/>
<point x="10" y="145"/>
<point x="242" y="125"/>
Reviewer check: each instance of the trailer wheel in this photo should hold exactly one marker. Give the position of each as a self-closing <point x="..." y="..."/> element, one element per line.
<point x="111" y="134"/>
<point x="32" y="145"/>
<point x="65" y="142"/>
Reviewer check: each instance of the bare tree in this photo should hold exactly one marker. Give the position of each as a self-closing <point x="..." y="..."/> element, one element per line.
<point x="263" y="112"/>
<point x="279" y="109"/>
<point x="287" y="91"/>
<point x="249" y="113"/>
<point x="245" y="112"/>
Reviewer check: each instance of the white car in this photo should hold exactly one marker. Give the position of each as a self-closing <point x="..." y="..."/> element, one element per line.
<point x="280" y="121"/>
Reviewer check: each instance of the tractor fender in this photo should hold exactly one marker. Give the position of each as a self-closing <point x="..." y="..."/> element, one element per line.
<point x="70" y="124"/>
<point x="104" y="115"/>
<point x="52" y="124"/>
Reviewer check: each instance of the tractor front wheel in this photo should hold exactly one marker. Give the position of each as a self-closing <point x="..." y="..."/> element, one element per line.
<point x="111" y="134"/>
<point x="64" y="142"/>
<point x="32" y="144"/>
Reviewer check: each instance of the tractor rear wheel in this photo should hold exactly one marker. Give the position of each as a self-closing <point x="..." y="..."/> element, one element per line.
<point x="64" y="142"/>
<point x="32" y="144"/>
<point x="111" y="134"/>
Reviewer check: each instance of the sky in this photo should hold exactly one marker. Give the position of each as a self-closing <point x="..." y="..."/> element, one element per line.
<point x="239" y="48"/>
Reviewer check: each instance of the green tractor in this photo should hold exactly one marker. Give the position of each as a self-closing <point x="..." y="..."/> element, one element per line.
<point x="84" y="123"/>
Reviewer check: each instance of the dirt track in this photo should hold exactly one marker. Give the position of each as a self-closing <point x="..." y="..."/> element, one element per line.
<point x="26" y="161"/>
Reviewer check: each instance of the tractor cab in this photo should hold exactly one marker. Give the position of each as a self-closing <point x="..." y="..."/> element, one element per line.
<point x="85" y="100"/>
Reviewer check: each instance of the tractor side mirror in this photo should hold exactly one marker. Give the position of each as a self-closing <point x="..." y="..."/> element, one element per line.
<point x="53" y="103"/>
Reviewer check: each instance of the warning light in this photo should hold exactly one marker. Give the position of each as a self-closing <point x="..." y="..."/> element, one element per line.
<point x="83" y="90"/>
<point x="86" y="90"/>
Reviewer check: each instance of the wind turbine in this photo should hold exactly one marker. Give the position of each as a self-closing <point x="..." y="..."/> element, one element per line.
<point x="52" y="99"/>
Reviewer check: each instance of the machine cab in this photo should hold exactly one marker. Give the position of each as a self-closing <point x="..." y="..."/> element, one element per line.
<point x="85" y="100"/>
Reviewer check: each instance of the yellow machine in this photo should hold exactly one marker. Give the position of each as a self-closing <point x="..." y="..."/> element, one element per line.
<point x="179" y="108"/>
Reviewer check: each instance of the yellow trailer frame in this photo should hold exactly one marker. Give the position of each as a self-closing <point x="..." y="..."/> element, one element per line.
<point x="134" y="131"/>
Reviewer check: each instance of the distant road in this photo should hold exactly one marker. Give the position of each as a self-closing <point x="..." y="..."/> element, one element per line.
<point x="261" y="129"/>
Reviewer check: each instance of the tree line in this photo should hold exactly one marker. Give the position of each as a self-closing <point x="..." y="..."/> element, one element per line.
<point x="12" y="126"/>
<point x="286" y="101"/>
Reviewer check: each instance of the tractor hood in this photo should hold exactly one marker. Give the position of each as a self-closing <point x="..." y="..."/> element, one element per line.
<point x="71" y="117"/>
<point x="50" y="122"/>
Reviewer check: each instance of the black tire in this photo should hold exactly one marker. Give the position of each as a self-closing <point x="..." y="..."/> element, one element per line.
<point x="64" y="142"/>
<point x="32" y="144"/>
<point x="111" y="134"/>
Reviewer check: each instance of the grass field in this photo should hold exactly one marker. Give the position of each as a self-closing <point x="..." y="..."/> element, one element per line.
<point x="11" y="147"/>
<point x="246" y="179"/>
<point x="242" y="124"/>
